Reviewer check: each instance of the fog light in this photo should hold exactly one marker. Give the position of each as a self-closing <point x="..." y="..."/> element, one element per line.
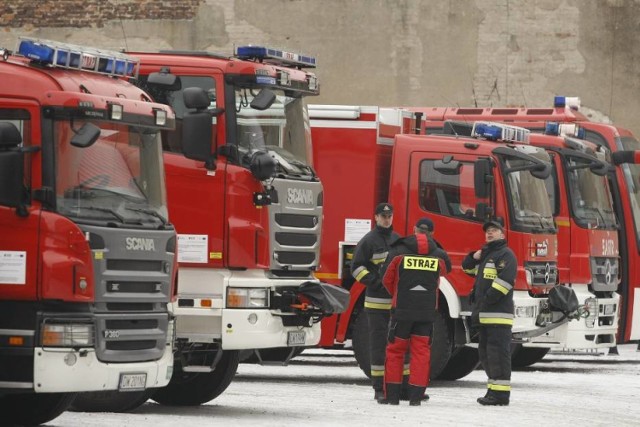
<point x="82" y="283"/>
<point x="70" y="359"/>
<point x="253" y="318"/>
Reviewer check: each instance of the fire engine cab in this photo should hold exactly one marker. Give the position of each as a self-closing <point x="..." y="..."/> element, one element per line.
<point x="459" y="182"/>
<point x="247" y="206"/>
<point x="86" y="248"/>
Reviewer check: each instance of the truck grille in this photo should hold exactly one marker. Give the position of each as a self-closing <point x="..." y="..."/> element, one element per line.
<point x="542" y="273"/>
<point x="295" y="227"/>
<point x="604" y="273"/>
<point x="133" y="289"/>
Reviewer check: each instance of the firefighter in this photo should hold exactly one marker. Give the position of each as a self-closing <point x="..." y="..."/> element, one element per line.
<point x="412" y="274"/>
<point x="494" y="267"/>
<point x="368" y="257"/>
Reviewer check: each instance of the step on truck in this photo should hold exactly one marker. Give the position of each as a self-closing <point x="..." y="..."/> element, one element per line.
<point x="459" y="182"/>
<point x="247" y="206"/>
<point x="87" y="254"/>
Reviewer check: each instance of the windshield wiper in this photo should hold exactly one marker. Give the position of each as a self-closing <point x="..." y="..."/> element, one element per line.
<point x="107" y="210"/>
<point x="149" y="212"/>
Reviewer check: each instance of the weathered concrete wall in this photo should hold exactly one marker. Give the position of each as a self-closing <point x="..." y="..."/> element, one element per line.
<point x="386" y="52"/>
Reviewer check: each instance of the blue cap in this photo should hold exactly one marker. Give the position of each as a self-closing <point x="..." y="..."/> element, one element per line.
<point x="425" y="223"/>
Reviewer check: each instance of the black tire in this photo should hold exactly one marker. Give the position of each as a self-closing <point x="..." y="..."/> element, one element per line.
<point x="440" y="344"/>
<point x="464" y="361"/>
<point x="521" y="357"/>
<point x="360" y="342"/>
<point x="191" y="389"/>
<point x="111" y="401"/>
<point x="33" y="409"/>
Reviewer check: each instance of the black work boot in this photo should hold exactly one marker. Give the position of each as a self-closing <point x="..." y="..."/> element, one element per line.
<point x="392" y="396"/>
<point x="495" y="398"/>
<point x="378" y="394"/>
<point x="417" y="395"/>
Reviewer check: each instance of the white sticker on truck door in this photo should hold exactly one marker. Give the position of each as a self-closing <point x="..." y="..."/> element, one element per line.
<point x="13" y="267"/>
<point x="193" y="248"/>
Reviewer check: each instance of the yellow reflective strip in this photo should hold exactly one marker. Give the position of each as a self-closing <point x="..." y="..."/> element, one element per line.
<point x="378" y="261"/>
<point x="489" y="273"/>
<point x="406" y="372"/>
<point x="362" y="274"/>
<point x="377" y="373"/>
<point x="349" y="255"/>
<point x="500" y="288"/>
<point x="377" y="305"/>
<point x="495" y="321"/>
<point x="326" y="275"/>
<point x="563" y="222"/>
<point x="498" y="387"/>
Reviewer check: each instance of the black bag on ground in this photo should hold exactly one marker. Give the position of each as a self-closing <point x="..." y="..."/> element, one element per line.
<point x="329" y="298"/>
<point x="564" y="299"/>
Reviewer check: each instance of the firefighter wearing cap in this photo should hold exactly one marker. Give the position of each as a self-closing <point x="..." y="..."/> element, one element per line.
<point x="494" y="267"/>
<point x="412" y="275"/>
<point x="368" y="257"/>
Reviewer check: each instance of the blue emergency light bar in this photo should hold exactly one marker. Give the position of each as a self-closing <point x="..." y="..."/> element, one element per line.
<point x="564" y="129"/>
<point x="275" y="56"/>
<point x="572" y="102"/>
<point x="500" y="132"/>
<point x="69" y="56"/>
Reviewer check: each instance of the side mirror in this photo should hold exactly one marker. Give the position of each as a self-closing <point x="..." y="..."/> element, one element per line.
<point x="447" y="166"/>
<point x="482" y="178"/>
<point x="600" y="168"/>
<point x="541" y="171"/>
<point x="263" y="100"/>
<point x="165" y="80"/>
<point x="86" y="136"/>
<point x="262" y="166"/>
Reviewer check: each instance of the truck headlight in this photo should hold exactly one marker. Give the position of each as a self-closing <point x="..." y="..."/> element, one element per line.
<point x="67" y="335"/>
<point x="591" y="304"/>
<point x="247" y="298"/>
<point x="525" y="311"/>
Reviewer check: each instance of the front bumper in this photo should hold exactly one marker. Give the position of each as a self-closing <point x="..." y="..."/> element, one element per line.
<point x="54" y="371"/>
<point x="576" y="334"/>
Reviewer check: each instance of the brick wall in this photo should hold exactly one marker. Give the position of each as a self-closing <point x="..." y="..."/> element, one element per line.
<point x="90" y="13"/>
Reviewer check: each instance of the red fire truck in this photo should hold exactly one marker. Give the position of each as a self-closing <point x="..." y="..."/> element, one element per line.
<point x="458" y="182"/>
<point x="623" y="185"/>
<point x="86" y="251"/>
<point x="247" y="207"/>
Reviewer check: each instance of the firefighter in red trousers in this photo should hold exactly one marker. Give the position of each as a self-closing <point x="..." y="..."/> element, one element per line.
<point x="415" y="265"/>
<point x="494" y="267"/>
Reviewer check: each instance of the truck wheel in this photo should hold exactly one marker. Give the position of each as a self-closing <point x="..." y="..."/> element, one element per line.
<point x="360" y="342"/>
<point x="462" y="363"/>
<point x="34" y="408"/>
<point x="521" y="357"/>
<point x="110" y="401"/>
<point x="196" y="388"/>
<point x="440" y="344"/>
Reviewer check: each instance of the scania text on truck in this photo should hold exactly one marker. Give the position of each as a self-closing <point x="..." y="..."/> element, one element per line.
<point x="458" y="182"/>
<point x="87" y="252"/>
<point x="247" y="207"/>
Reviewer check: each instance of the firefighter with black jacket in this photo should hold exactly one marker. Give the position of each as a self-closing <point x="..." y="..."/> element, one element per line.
<point x="368" y="257"/>
<point x="494" y="267"/>
<point x="411" y="276"/>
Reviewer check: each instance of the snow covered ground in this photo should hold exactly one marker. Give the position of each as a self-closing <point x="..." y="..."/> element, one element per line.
<point x="323" y="388"/>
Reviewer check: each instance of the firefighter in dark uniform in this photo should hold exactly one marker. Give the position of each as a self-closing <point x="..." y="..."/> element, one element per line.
<point x="494" y="267"/>
<point x="368" y="257"/>
<point x="411" y="276"/>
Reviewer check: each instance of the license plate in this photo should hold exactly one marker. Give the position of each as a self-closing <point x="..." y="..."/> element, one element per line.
<point x="132" y="382"/>
<point x="295" y="338"/>
<point x="609" y="308"/>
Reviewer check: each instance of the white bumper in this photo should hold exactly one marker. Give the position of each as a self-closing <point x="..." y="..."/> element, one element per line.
<point x="67" y="370"/>
<point x="583" y="333"/>
<point x="202" y="316"/>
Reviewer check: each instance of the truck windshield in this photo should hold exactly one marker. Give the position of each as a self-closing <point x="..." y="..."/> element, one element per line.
<point x="119" y="179"/>
<point x="632" y="178"/>
<point x="530" y="206"/>
<point x="282" y="130"/>
<point x="592" y="206"/>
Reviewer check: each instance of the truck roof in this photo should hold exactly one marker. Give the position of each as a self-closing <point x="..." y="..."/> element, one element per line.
<point x="448" y="144"/>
